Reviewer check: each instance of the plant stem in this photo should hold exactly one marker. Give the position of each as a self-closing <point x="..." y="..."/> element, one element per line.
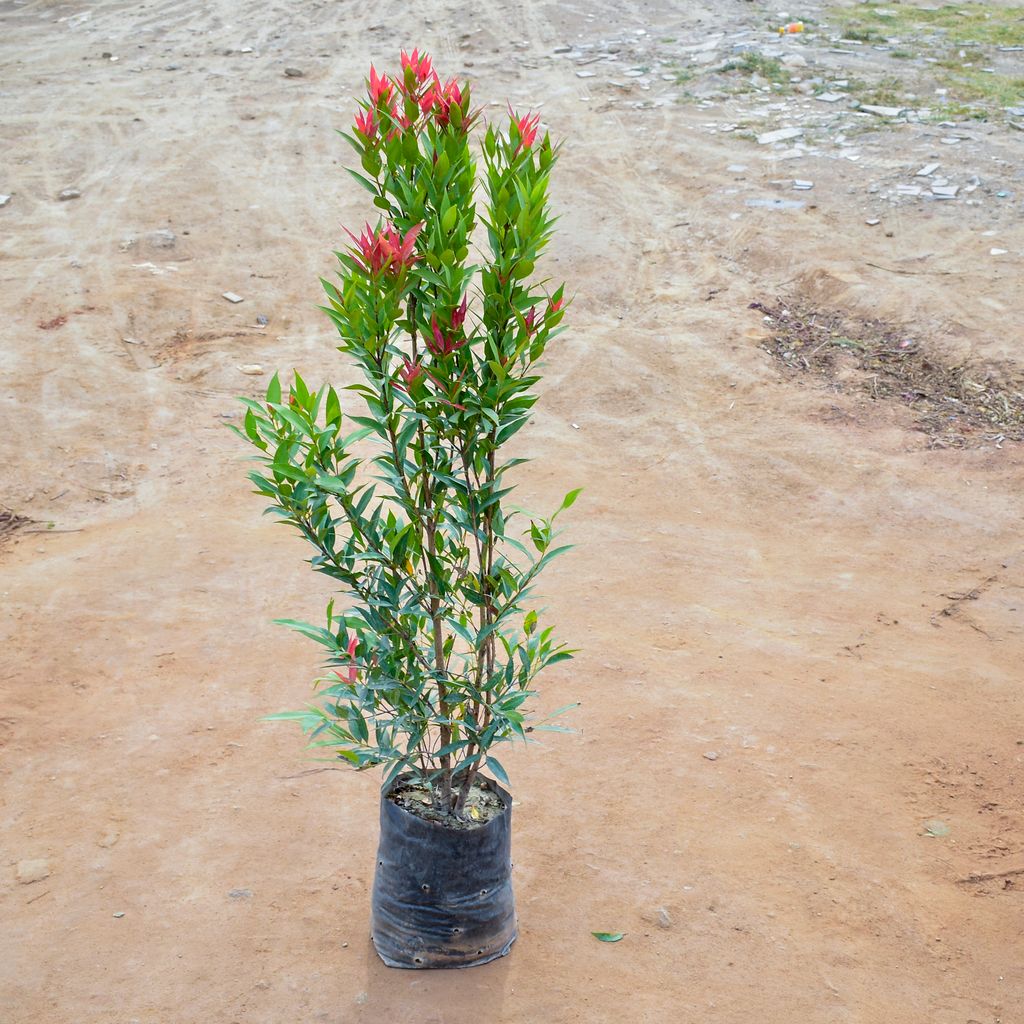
<point x="430" y="522"/>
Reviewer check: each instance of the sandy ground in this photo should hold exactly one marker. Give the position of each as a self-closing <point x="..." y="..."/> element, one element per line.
<point x="761" y="572"/>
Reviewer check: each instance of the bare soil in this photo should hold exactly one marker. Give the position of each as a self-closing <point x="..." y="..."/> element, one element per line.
<point x="797" y="781"/>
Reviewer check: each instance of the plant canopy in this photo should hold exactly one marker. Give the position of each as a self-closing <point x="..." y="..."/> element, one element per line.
<point x="430" y="665"/>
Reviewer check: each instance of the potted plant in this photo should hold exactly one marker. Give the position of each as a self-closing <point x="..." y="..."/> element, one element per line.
<point x="404" y="500"/>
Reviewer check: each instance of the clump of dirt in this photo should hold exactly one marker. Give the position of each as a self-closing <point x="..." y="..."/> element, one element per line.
<point x="959" y="404"/>
<point x="10" y="523"/>
<point x="482" y="805"/>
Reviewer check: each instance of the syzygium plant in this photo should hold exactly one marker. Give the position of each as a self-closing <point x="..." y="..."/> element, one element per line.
<point x="431" y="662"/>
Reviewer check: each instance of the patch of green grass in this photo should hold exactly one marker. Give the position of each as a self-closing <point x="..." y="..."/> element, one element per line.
<point x="957" y="112"/>
<point x="769" y="68"/>
<point x="991" y="89"/>
<point x="951" y="62"/>
<point x="863" y="34"/>
<point x="684" y="75"/>
<point x="902" y="55"/>
<point x="886" y="92"/>
<point x="990" y="24"/>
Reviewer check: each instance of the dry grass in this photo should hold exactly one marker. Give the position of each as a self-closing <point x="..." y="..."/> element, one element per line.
<point x="958" y="404"/>
<point x="10" y="523"/>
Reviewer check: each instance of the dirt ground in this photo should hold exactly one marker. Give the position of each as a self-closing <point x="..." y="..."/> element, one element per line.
<point x="797" y="781"/>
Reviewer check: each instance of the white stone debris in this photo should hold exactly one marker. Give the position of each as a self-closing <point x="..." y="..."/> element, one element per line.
<point x="779" y="135"/>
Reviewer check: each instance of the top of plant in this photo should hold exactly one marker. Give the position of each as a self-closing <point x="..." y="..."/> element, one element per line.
<point x="432" y="660"/>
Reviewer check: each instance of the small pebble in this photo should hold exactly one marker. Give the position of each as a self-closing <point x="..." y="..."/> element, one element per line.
<point x="294" y="73"/>
<point x="873" y="222"/>
<point x="69" y="193"/>
<point x="118" y="913"/>
<point x="29" y="871"/>
<point x="109" y="838"/>
<point x="711" y="755"/>
<point x="164" y="238"/>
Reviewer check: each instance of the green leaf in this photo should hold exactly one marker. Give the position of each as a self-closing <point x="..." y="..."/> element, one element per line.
<point x="495" y="765"/>
<point x="317" y="633"/>
<point x="291" y="716"/>
<point x="333" y="408"/>
<point x="365" y="182"/>
<point x="608" y="936"/>
<point x="252" y="432"/>
<point x="274" y="390"/>
<point x="568" y="500"/>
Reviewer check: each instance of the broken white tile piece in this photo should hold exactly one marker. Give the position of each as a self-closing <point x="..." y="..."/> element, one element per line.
<point x="232" y="297"/>
<point x="945" y="191"/>
<point x="872" y="222"/>
<point x="881" y="111"/>
<point x="802" y="185"/>
<point x="779" y="135"/>
<point x="927" y="171"/>
<point x="997" y="252"/>
<point x="252" y="369"/>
